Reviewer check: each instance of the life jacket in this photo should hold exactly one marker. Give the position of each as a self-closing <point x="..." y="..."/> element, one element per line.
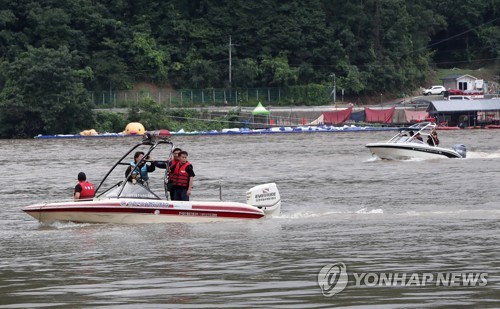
<point x="143" y="171"/>
<point x="88" y="190"/>
<point x="171" y="167"/>
<point x="180" y="177"/>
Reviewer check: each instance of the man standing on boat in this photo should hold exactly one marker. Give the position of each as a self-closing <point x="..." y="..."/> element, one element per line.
<point x="169" y="165"/>
<point x="182" y="178"/>
<point x="432" y="139"/>
<point x="84" y="190"/>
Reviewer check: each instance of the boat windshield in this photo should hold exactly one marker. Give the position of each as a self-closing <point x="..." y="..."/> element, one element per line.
<point x="408" y="134"/>
<point x="421" y="126"/>
<point x="132" y="191"/>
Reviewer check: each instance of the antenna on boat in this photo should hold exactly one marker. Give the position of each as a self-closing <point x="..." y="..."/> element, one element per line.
<point x="220" y="189"/>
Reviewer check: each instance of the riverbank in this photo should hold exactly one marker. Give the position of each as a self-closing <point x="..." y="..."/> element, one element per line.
<point x="216" y="118"/>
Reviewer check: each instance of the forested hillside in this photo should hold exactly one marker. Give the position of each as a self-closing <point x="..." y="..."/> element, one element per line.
<point x="53" y="52"/>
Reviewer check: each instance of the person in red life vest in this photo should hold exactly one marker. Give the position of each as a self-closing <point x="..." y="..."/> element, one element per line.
<point x="170" y="170"/>
<point x="84" y="190"/>
<point x="183" y="178"/>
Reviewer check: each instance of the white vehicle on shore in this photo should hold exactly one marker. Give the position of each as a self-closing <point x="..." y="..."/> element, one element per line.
<point x="434" y="90"/>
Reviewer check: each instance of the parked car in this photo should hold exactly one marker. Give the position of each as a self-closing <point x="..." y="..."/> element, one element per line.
<point x="434" y="90"/>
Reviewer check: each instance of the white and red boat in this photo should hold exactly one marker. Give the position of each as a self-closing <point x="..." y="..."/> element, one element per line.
<point x="127" y="202"/>
<point x="406" y="145"/>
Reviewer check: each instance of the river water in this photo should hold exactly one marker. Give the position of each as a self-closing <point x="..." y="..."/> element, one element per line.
<point x="438" y="217"/>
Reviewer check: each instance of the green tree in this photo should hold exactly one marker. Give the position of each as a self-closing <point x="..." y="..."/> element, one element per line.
<point x="203" y="73"/>
<point x="148" y="56"/>
<point x="278" y="72"/>
<point x="245" y="73"/>
<point x="371" y="46"/>
<point x="462" y="39"/>
<point x="490" y="36"/>
<point x="151" y="114"/>
<point x="109" y="122"/>
<point x="43" y="94"/>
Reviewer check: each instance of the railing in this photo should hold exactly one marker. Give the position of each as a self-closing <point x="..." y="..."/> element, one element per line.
<point x="308" y="95"/>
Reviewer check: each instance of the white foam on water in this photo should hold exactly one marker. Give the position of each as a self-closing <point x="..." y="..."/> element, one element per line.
<point x="482" y="155"/>
<point x="308" y="214"/>
<point x="367" y="211"/>
<point x="319" y="214"/>
<point x="67" y="225"/>
<point x="465" y="213"/>
<point x="372" y="159"/>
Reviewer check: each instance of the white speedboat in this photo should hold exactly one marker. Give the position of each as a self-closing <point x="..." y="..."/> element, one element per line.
<point x="127" y="202"/>
<point x="415" y="142"/>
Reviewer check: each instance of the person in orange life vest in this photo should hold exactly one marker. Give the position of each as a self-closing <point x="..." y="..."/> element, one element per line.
<point x="84" y="190"/>
<point x="183" y="178"/>
<point x="170" y="164"/>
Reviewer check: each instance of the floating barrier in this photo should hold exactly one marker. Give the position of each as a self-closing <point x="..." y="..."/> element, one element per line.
<point x="301" y="129"/>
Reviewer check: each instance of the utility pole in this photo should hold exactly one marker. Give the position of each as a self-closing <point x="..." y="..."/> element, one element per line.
<point x="230" y="45"/>
<point x="230" y="67"/>
<point x="334" y="92"/>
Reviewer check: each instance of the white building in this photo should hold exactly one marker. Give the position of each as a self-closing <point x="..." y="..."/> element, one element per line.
<point x="462" y="82"/>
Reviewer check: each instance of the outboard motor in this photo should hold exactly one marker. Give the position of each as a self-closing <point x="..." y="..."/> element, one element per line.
<point x="265" y="197"/>
<point x="460" y="149"/>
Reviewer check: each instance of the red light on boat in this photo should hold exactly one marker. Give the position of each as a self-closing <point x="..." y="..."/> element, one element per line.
<point x="164" y="133"/>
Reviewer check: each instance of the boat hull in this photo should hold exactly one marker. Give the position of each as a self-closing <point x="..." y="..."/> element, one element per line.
<point x="142" y="211"/>
<point x="406" y="151"/>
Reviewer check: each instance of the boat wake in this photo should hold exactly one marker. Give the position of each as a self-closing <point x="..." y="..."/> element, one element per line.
<point x="367" y="211"/>
<point x="377" y="159"/>
<point x="483" y="155"/>
<point x="60" y="225"/>
<point x="459" y="213"/>
<point x="315" y="214"/>
<point x="372" y="159"/>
